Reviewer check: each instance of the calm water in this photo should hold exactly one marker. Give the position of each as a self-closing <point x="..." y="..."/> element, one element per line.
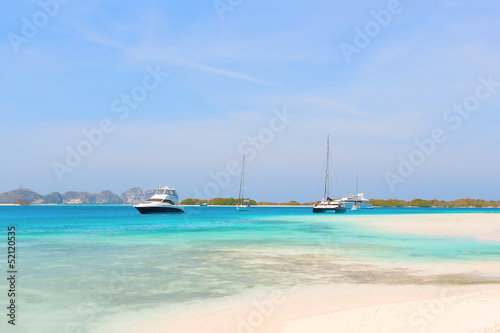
<point x="81" y="265"/>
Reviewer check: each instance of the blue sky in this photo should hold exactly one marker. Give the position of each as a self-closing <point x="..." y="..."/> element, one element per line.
<point x="226" y="80"/>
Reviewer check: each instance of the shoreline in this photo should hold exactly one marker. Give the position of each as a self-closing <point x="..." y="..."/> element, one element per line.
<point x="258" y="206"/>
<point x="289" y="206"/>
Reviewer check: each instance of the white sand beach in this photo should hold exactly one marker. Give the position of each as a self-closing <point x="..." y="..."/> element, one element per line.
<point x="364" y="307"/>
<point x="340" y="308"/>
<point x="480" y="226"/>
<point x="461" y="313"/>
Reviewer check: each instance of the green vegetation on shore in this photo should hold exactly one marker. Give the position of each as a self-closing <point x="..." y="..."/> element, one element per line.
<point x="193" y="201"/>
<point x="234" y="202"/>
<point x="214" y="201"/>
<point x="375" y="202"/>
<point x="290" y="203"/>
<point x="434" y="203"/>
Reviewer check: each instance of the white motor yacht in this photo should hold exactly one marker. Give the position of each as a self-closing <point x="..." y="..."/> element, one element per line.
<point x="354" y="202"/>
<point x="165" y="200"/>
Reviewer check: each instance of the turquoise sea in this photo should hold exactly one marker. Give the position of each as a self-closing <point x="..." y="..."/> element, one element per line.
<point x="78" y="267"/>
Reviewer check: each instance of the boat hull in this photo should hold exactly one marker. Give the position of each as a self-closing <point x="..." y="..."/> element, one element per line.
<point x="360" y="205"/>
<point x="148" y="209"/>
<point x="335" y="209"/>
<point x="340" y="210"/>
<point x="242" y="208"/>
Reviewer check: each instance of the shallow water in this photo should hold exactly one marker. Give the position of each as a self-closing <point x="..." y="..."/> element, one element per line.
<point x="79" y="265"/>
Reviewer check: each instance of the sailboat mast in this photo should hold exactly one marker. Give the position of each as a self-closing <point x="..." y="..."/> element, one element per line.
<point x="242" y="182"/>
<point x="327" y="179"/>
<point x="357" y="181"/>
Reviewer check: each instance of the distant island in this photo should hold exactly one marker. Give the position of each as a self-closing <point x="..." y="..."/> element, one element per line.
<point x="130" y="197"/>
<point x="136" y="195"/>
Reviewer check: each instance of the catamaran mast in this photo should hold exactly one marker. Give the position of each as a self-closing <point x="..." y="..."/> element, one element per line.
<point x="327" y="179"/>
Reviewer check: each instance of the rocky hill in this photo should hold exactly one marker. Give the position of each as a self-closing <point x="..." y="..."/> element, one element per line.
<point x="107" y="197"/>
<point x="51" y="198"/>
<point x="78" y="198"/>
<point x="136" y="195"/>
<point x="26" y="195"/>
<point x="133" y="196"/>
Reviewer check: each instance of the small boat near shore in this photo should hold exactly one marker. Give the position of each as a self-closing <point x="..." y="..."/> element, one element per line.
<point x="164" y="201"/>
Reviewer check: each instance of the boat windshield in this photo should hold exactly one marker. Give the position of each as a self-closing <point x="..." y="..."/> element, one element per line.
<point x="165" y="191"/>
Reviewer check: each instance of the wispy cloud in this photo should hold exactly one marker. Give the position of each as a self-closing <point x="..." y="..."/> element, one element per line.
<point x="111" y="43"/>
<point x="224" y="72"/>
<point x="170" y="59"/>
<point x="337" y="106"/>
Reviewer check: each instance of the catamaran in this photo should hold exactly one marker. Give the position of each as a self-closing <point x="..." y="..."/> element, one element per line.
<point x="244" y="204"/>
<point x="327" y="204"/>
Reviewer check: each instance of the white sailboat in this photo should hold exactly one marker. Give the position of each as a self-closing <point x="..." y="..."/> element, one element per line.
<point x="328" y="204"/>
<point x="244" y="204"/>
